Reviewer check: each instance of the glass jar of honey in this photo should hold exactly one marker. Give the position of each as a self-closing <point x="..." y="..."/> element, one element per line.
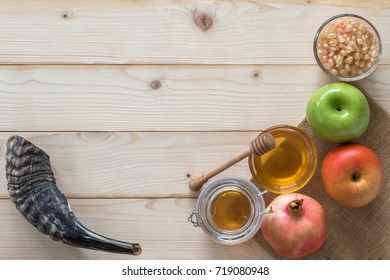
<point x="230" y="210"/>
<point x="290" y="165"/>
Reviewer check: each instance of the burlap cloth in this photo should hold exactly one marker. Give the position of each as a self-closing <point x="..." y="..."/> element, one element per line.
<point x="362" y="233"/>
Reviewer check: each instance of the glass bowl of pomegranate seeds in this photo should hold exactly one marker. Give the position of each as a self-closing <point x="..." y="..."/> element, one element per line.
<point x="347" y="47"/>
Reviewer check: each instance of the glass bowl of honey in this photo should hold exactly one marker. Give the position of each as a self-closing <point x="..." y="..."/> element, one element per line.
<point x="290" y="165"/>
<point x="347" y="47"/>
<point x="230" y="210"/>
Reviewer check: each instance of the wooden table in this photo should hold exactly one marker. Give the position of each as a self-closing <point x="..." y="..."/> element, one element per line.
<point x="131" y="98"/>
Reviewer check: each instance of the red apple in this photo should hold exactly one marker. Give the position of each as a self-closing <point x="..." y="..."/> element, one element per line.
<point x="352" y="174"/>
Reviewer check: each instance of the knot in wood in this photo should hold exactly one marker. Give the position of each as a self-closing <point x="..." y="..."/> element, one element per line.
<point x="155" y="85"/>
<point x="66" y="15"/>
<point x="262" y="144"/>
<point x="97" y="136"/>
<point x="203" y="19"/>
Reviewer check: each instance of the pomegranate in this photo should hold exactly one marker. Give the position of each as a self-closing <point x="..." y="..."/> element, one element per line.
<point x="296" y="227"/>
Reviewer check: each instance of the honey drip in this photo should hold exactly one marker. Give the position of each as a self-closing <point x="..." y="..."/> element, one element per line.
<point x="230" y="210"/>
<point x="287" y="163"/>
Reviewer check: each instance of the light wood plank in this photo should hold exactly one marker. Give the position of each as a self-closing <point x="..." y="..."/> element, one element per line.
<point x="164" y="32"/>
<point x="125" y="164"/>
<point x="377" y="4"/>
<point x="188" y="98"/>
<point x="160" y="226"/>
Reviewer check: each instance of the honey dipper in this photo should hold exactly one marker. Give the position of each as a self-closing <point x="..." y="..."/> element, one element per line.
<point x="262" y="144"/>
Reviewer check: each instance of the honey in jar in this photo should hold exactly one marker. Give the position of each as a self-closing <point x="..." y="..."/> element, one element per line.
<point x="290" y="165"/>
<point x="230" y="210"/>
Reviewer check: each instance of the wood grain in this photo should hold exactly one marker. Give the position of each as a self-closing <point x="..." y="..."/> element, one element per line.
<point x="376" y="4"/>
<point x="164" y="32"/>
<point x="163" y="98"/>
<point x="160" y="226"/>
<point x="131" y="98"/>
<point x="125" y="164"/>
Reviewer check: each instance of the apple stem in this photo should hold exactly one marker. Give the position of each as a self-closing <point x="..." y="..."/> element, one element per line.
<point x="295" y="206"/>
<point x="355" y="176"/>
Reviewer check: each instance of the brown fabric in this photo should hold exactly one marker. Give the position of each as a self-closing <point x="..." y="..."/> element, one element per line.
<point x="362" y="233"/>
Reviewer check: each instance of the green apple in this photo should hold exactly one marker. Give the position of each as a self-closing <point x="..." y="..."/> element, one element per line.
<point x="338" y="112"/>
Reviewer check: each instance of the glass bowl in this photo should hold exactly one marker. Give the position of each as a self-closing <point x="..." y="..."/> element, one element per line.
<point x="290" y="165"/>
<point x="347" y="47"/>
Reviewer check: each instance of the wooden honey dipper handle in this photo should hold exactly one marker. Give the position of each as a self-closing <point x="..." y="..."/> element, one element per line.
<point x="262" y="144"/>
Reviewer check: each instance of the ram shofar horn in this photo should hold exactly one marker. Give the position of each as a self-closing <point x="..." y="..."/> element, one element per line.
<point x="32" y="187"/>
